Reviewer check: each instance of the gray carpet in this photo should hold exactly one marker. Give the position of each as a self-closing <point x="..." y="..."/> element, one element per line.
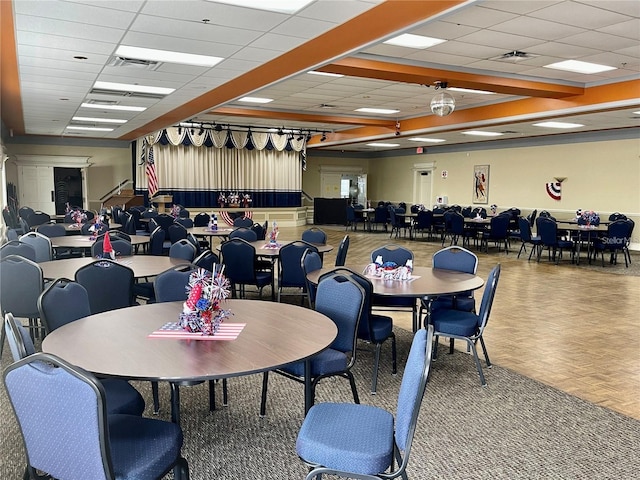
<point x="516" y="428"/>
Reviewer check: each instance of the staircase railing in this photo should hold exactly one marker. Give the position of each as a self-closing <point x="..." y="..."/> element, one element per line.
<point x="117" y="189"/>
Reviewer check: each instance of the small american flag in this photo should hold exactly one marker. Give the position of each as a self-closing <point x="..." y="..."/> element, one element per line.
<point x="150" y="169"/>
<point x="227" y="331"/>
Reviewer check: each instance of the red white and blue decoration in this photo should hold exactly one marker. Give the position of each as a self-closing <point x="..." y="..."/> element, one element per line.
<point x="202" y="311"/>
<point x="554" y="190"/>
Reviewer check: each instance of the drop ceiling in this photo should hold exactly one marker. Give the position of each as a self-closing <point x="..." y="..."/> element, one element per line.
<point x="53" y="52"/>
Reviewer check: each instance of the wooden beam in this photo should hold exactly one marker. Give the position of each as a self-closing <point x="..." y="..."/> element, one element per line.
<point x="10" y="97"/>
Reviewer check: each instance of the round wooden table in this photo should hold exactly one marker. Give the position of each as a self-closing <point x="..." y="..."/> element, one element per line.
<point x="85" y="241"/>
<point x="142" y="265"/>
<point x="221" y="233"/>
<point x="74" y="228"/>
<point x="263" y="250"/>
<point x="117" y="344"/>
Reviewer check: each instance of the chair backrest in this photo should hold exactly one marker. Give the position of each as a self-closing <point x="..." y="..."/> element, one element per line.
<point x="487" y="297"/>
<point x="525" y="229"/>
<point x="314" y="235"/>
<point x="392" y="253"/>
<point x="547" y="229"/>
<point x="201" y="220"/>
<point x="351" y="214"/>
<point x="424" y="219"/>
<point x="184" y="221"/>
<point x="18" y="338"/>
<point x="207" y="260"/>
<point x="18" y="247"/>
<point x="171" y="285"/>
<point x="156" y="241"/>
<point x="343" y="248"/>
<point x="242" y="222"/>
<point x="456" y="222"/>
<point x="176" y="232"/>
<point x="183" y="249"/>
<point x="239" y="258"/>
<point x="364" y="325"/>
<point x="259" y="230"/>
<point x="412" y="389"/>
<point x="12" y="234"/>
<point x="38" y="218"/>
<point x="310" y="262"/>
<point x="129" y="225"/>
<point x="184" y="213"/>
<point x="532" y="217"/>
<point x="63" y="301"/>
<point x="244" y="233"/>
<point x="456" y="258"/>
<point x="52" y="230"/>
<point x="121" y="247"/>
<point x="617" y="216"/>
<point x="380" y="214"/>
<point x="341" y="298"/>
<point x="500" y="226"/>
<point x="109" y="285"/>
<point x="164" y="221"/>
<point x="24" y="212"/>
<point x="70" y="422"/>
<point x="149" y="213"/>
<point x="290" y="256"/>
<point x="618" y="234"/>
<point x="21" y="283"/>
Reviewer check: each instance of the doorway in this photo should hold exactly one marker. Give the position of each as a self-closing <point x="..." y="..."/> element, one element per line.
<point x="68" y="188"/>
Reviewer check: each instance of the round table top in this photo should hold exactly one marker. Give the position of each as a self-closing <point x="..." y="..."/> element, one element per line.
<point x="142" y="265"/>
<point x="264" y="251"/>
<point x="574" y="227"/>
<point x="117" y="343"/>
<point x="75" y="227"/>
<point x="574" y="221"/>
<point x="425" y="281"/>
<point x="85" y="241"/>
<point x="205" y="232"/>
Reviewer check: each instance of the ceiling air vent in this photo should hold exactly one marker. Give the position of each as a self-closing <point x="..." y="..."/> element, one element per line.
<point x="134" y="63"/>
<point x="327" y="105"/>
<point x="513" y="56"/>
<point x="116" y="93"/>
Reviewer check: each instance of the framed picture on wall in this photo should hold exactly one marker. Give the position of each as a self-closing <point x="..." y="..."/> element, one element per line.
<point x="481" y="184"/>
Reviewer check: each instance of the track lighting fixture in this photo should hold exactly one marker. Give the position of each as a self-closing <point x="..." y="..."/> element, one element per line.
<point x="179" y="130"/>
<point x="217" y="128"/>
<point x="324" y="136"/>
<point x="201" y="132"/>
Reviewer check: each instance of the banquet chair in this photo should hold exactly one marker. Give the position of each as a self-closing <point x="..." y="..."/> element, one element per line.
<point x="24" y="212"/>
<point x="66" y="301"/>
<point x="128" y="223"/>
<point x="290" y="273"/>
<point x="18" y="247"/>
<point x="186" y="222"/>
<point x="164" y="221"/>
<point x="340" y="298"/>
<point x="38" y="218"/>
<point x="352" y="218"/>
<point x="547" y="229"/>
<point x="156" y="242"/>
<point x="458" y="230"/>
<point x="498" y="232"/>
<point x="398" y="223"/>
<point x="259" y="230"/>
<point x="615" y="240"/>
<point x="314" y="235"/>
<point x="424" y="222"/>
<point x="12" y="234"/>
<point x="311" y="261"/>
<point x="468" y="326"/>
<point x="108" y="283"/>
<point x="176" y="232"/>
<point x="51" y="230"/>
<point x="201" y="219"/>
<point x="245" y="234"/>
<point x="341" y="254"/>
<point x="71" y="434"/>
<point x="21" y="283"/>
<point x="617" y="216"/>
<point x="207" y="260"/>
<point x="239" y="258"/>
<point x="184" y="250"/>
<point x="527" y="237"/>
<point x="362" y="441"/>
<point x="41" y="244"/>
<point x="170" y="286"/>
<point x="242" y="222"/>
<point x="380" y="216"/>
<point x="398" y="255"/>
<point x="374" y="329"/>
<point x="121" y="247"/>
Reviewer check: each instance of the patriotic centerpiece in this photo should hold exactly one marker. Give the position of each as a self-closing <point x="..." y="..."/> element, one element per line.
<point x="78" y="216"/>
<point x="389" y="270"/>
<point x="273" y="236"/>
<point x="202" y="311"/>
<point x="589" y="217"/>
<point x="246" y="200"/>
<point x="175" y="211"/>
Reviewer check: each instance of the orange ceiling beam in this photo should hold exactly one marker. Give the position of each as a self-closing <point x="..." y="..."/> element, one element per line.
<point x="301" y="117"/>
<point x="10" y="97"/>
<point x="395" y="72"/>
<point x="502" y="112"/>
<point x="380" y="21"/>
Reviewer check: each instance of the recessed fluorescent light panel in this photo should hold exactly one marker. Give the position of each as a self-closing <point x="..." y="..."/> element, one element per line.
<point x="98" y="120"/>
<point x="280" y="6"/>
<point x="427" y="140"/>
<point x="167" y="56"/>
<point x="129" y="87"/>
<point x="636" y="113"/>
<point x="93" y="129"/>
<point x="382" y="111"/>
<point x="579" y="67"/>
<point x="469" y="90"/>
<point x="481" y="133"/>
<point x="558" y="125"/>
<point x="383" y="144"/>
<point x="326" y="74"/>
<point x="414" y="41"/>
<point x="122" y="108"/>
<point x="255" y="100"/>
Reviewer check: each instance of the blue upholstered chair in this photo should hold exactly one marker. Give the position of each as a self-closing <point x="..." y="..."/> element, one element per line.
<point x="71" y="434"/>
<point x="290" y="267"/>
<point x="242" y="222"/>
<point x="38" y="218"/>
<point x="311" y="261"/>
<point x="341" y="254"/>
<point x="156" y="242"/>
<point x="201" y="219"/>
<point x="121" y="247"/>
<point x="239" y="258"/>
<point x="616" y="240"/>
<point x="352" y="218"/>
<point x="109" y="284"/>
<point x="41" y="244"/>
<point x="176" y="232"/>
<point x="184" y="250"/>
<point x="468" y="326"/>
<point x="363" y="441"/>
<point x="399" y="255"/>
<point x="314" y="235"/>
<point x="259" y="230"/>
<point x="244" y="233"/>
<point x="186" y="222"/>
<point x="340" y="298"/>
<point x="398" y="223"/>
<point x="498" y="232"/>
<point x="380" y="216"/>
<point x="527" y="237"/>
<point x="424" y="222"/>
<point x="547" y="229"/>
<point x="207" y="260"/>
<point x="18" y="247"/>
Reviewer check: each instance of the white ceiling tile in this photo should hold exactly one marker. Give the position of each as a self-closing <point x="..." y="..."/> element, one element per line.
<point x="56" y="54"/>
<point x="238" y="65"/>
<point x="303" y="27"/>
<point x="50" y="73"/>
<point x="629" y="29"/>
<point x="125" y="5"/>
<point x="185" y="45"/>
<point x="579" y="14"/>
<point x="76" y="12"/>
<point x="440" y="58"/>
<point x="536" y="28"/>
<point x="274" y="41"/>
<point x="503" y="41"/>
<point x="259" y="55"/>
<point x="477" y="16"/>
<point x="69" y="64"/>
<point x="599" y="40"/>
<point x="470" y="49"/>
<point x="64" y="43"/>
<point x="335" y="11"/>
<point x="626" y="7"/>
<point x="444" y="30"/>
<point x="560" y="50"/>
<point x="518" y="7"/>
<point x="82" y="31"/>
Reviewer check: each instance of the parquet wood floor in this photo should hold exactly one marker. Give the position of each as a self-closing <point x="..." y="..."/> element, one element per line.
<point x="575" y="329"/>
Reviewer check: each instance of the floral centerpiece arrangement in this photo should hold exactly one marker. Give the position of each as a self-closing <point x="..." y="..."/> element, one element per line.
<point x="273" y="236"/>
<point x="233" y="199"/>
<point x="78" y="216"/>
<point x="494" y="209"/>
<point x="589" y="217"/>
<point x="175" y="211"/>
<point x="202" y="311"/>
<point x="389" y="270"/>
<point x="246" y="200"/>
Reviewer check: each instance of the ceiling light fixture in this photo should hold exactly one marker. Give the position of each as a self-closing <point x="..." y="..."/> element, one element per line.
<point x="387" y="145"/>
<point x="255" y="100"/>
<point x="167" y="56"/>
<point x="558" y="125"/>
<point x="427" y="140"/>
<point x="381" y="111"/>
<point x="577" y="66"/>
<point x="414" y="41"/>
<point x="482" y="133"/>
<point x="325" y="74"/>
<point x="93" y="129"/>
<point x="129" y="87"/>
<point x="123" y="108"/>
<point x="470" y="90"/>
<point x="442" y="104"/>
<point x="98" y="120"/>
<point x="280" y="6"/>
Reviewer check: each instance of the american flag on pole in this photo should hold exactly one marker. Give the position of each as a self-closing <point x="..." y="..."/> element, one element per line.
<point x="150" y="169"/>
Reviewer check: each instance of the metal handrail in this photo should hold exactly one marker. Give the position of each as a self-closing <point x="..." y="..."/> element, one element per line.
<point x="117" y="188"/>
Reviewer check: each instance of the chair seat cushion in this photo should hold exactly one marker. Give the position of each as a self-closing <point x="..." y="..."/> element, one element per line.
<point x="380" y="326"/>
<point x="455" y="322"/>
<point x="263" y="278"/>
<point x="327" y="361"/>
<point x="130" y="437"/>
<point x="463" y="303"/>
<point x="122" y="397"/>
<point x="347" y="437"/>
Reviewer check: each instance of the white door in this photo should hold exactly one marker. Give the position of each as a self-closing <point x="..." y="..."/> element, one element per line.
<point x="36" y="188"/>
<point x="425" y="189"/>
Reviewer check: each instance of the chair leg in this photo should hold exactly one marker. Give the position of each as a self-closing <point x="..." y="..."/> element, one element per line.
<point x="483" y="382"/>
<point x="376" y="364"/>
<point x="354" y="390"/>
<point x="263" y="399"/>
<point x="394" y="356"/>
<point x="225" y="393"/>
<point x="486" y="355"/>
<point x="156" y="398"/>
<point x="212" y="395"/>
